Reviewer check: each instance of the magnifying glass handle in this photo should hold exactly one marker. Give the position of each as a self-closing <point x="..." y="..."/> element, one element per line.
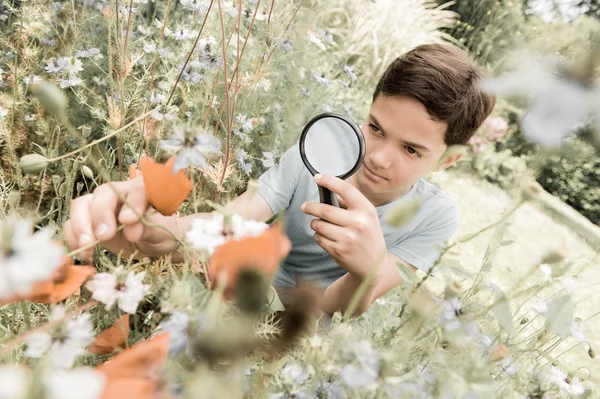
<point x="327" y="197"/>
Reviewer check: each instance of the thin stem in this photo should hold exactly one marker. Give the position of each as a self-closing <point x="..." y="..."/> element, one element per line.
<point x="192" y="51"/>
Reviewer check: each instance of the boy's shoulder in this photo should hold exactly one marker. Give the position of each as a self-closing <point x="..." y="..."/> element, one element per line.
<point x="435" y="201"/>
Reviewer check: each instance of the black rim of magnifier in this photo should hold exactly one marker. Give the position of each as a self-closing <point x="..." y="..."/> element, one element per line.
<point x="355" y="128"/>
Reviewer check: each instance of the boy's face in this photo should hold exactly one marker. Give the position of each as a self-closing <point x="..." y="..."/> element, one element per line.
<point x="403" y="144"/>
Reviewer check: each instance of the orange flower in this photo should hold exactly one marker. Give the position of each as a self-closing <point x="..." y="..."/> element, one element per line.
<point x="64" y="282"/>
<point x="263" y="253"/>
<point x="134" y="171"/>
<point x="498" y="353"/>
<point x="136" y="372"/>
<point x="111" y="338"/>
<point x="165" y="191"/>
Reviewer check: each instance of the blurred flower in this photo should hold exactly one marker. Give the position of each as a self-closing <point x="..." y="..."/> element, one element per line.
<point x="181" y="33"/>
<point x="477" y="144"/>
<point x="574" y="388"/>
<point x="27" y="118"/>
<point x="356" y="377"/>
<point x="80" y="383"/>
<point x="245" y="123"/>
<point x="242" y="158"/>
<point x="168" y="112"/>
<point x="13" y="381"/>
<point x="497" y="126"/>
<point x="207" y="234"/>
<point x="326" y="36"/>
<point x="26" y="258"/>
<point x="287" y="45"/>
<point x="293" y="372"/>
<point x="176" y="326"/>
<point x="3" y="112"/>
<point x="449" y="317"/>
<point x="191" y="150"/>
<point x="316" y="41"/>
<point x="270" y="159"/>
<point x="558" y="103"/>
<point x="350" y="72"/>
<point x="125" y="289"/>
<point x="305" y="91"/>
<point x="64" y="343"/>
<point x="321" y="79"/>
<point x="111" y="338"/>
<point x="194" y="5"/>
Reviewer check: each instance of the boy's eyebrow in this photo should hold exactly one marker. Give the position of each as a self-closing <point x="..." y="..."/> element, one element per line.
<point x="414" y="145"/>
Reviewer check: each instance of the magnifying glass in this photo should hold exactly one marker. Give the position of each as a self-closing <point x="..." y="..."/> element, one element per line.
<point x="332" y="144"/>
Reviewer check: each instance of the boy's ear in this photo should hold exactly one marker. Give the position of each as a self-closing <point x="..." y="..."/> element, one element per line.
<point x="450" y="157"/>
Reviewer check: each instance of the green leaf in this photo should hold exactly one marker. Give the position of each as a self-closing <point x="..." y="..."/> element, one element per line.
<point x="506" y="243"/>
<point x="456" y="268"/>
<point x="503" y="313"/>
<point x="561" y="312"/>
<point x="406" y="274"/>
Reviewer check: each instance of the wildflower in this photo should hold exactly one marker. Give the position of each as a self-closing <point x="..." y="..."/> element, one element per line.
<point x="25" y="258"/>
<point x="305" y="91"/>
<point x="125" y="289"/>
<point x="356" y="377"/>
<point x="208" y="234"/>
<point x="316" y="41"/>
<point x="177" y="326"/>
<point x="70" y="81"/>
<point x="328" y="37"/>
<point x="242" y="157"/>
<point x="64" y="343"/>
<point x="246" y="124"/>
<point x="287" y="45"/>
<point x="13" y="382"/>
<point x="80" y="383"/>
<point x="112" y="338"/>
<point x="295" y="373"/>
<point x="181" y="33"/>
<point x="321" y="79"/>
<point x="191" y="150"/>
<point x="137" y="369"/>
<point x="350" y="72"/>
<point x="194" y="5"/>
<point x="270" y="160"/>
<point x="3" y="112"/>
<point x="27" y="118"/>
<point x="449" y="317"/>
<point x="568" y="387"/>
<point x="165" y="190"/>
<point x="558" y="104"/>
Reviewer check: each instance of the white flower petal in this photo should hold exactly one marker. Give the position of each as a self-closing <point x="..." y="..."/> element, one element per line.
<point x="82" y="383"/>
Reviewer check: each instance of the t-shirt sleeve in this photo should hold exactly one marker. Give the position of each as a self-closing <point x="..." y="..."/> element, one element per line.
<point x="420" y="249"/>
<point x="278" y="184"/>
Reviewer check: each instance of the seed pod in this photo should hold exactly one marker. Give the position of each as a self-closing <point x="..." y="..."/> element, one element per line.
<point x="86" y="130"/>
<point x="87" y="172"/>
<point x="591" y="353"/>
<point x="524" y="320"/>
<point x="51" y="97"/>
<point x="33" y="163"/>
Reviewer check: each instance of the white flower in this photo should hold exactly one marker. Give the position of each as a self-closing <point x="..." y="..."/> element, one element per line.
<point x="105" y="288"/>
<point x="3" y="112"/>
<point x="208" y="234"/>
<point x="192" y="150"/>
<point x="81" y="383"/>
<point x="194" y="5"/>
<point x="449" y="316"/>
<point x="13" y="382"/>
<point x="246" y="123"/>
<point x="30" y="117"/>
<point x="26" y="258"/>
<point x="321" y="79"/>
<point x="269" y="159"/>
<point x="350" y="72"/>
<point x="242" y="158"/>
<point x="559" y="378"/>
<point x="294" y="372"/>
<point x="356" y="377"/>
<point x="64" y="343"/>
<point x="316" y="41"/>
<point x="150" y="48"/>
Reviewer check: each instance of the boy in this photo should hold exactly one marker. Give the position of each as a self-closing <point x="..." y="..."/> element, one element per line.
<point x="427" y="100"/>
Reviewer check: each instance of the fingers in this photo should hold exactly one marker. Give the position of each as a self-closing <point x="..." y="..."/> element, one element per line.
<point x="330" y="231"/>
<point x="78" y="229"/>
<point x="332" y="214"/>
<point x="104" y="206"/>
<point x="347" y="192"/>
<point x="136" y="200"/>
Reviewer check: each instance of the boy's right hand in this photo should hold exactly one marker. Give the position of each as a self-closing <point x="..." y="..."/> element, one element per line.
<point x="96" y="217"/>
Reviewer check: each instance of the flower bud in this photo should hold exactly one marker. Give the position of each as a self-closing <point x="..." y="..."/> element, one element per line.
<point x="86" y="130"/>
<point x="453" y="289"/>
<point x="554" y="256"/>
<point x="33" y="163"/>
<point x="50" y="96"/>
<point x="524" y="320"/>
<point x="402" y="213"/>
<point x="531" y="190"/>
<point x="13" y="198"/>
<point x="87" y="172"/>
<point x="591" y="353"/>
<point x="498" y="353"/>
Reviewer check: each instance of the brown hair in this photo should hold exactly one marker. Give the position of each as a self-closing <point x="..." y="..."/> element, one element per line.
<point x="446" y="82"/>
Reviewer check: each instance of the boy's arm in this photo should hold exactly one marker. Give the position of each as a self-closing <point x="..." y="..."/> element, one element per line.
<point x="339" y="294"/>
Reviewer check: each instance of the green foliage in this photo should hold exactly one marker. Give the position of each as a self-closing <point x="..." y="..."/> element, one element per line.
<point x="573" y="175"/>
<point x="488" y="29"/>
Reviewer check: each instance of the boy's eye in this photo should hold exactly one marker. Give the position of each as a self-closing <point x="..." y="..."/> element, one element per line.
<point x="413" y="152"/>
<point x="374" y="127"/>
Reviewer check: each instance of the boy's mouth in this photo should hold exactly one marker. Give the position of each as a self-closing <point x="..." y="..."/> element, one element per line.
<point x="373" y="176"/>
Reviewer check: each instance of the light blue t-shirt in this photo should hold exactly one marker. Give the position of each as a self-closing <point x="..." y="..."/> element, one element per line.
<point x="289" y="184"/>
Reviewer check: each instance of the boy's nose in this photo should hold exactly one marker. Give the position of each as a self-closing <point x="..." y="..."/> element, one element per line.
<point x="380" y="159"/>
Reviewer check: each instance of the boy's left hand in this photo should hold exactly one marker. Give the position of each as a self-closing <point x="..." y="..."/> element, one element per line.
<point x="352" y="236"/>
